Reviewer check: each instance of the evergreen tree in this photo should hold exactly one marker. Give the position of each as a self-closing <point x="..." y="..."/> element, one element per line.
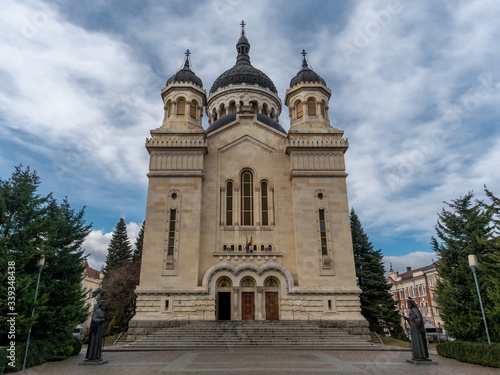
<point x="138" y="244"/>
<point x="119" y="249"/>
<point x="466" y="228"/>
<point x="377" y="304"/>
<point x="31" y="225"/>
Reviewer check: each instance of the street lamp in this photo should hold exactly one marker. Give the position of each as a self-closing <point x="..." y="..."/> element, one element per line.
<point x="40" y="263"/>
<point x="473" y="266"/>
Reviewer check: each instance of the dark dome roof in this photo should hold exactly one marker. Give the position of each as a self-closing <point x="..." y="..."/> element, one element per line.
<point x="186" y="74"/>
<point x="306" y="74"/>
<point x="224" y="120"/>
<point x="243" y="71"/>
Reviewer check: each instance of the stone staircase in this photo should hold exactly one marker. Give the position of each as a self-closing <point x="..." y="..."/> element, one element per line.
<point x="249" y="333"/>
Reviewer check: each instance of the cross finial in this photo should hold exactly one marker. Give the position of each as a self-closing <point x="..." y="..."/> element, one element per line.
<point x="186" y="62"/>
<point x="242" y="27"/>
<point x="304" y="61"/>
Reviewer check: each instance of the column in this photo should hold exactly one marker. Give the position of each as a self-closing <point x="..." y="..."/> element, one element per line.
<point x="260" y="303"/>
<point x="236" y="308"/>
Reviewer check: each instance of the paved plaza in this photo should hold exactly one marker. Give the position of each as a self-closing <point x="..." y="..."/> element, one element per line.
<point x="255" y="361"/>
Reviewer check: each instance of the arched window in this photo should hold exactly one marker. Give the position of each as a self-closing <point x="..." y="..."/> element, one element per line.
<point x="232" y="247"/>
<point x="261" y="247"/>
<point x="240" y="247"/>
<point x="192" y="108"/>
<point x="229" y="203"/>
<point x="271" y="282"/>
<point x="181" y="107"/>
<point x="232" y="107"/>
<point x="264" y="109"/>
<point x="311" y="107"/>
<point x="247" y="282"/>
<point x="222" y="110"/>
<point x="214" y="115"/>
<point x="300" y="110"/>
<point x="254" y="247"/>
<point x="323" y="109"/>
<point x="254" y="107"/>
<point x="168" y="109"/>
<point x="225" y="282"/>
<point x="246" y="198"/>
<point x="265" y="209"/>
<point x="224" y="248"/>
<point x="270" y="247"/>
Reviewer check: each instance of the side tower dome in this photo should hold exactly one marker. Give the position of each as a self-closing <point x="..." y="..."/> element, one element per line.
<point x="307" y="99"/>
<point x="183" y="99"/>
<point x="243" y="88"/>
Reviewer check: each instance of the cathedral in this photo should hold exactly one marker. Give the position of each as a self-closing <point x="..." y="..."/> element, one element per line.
<point x="245" y="220"/>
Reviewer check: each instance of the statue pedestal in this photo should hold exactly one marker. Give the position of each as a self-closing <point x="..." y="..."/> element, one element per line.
<point x="424" y="362"/>
<point x="93" y="362"/>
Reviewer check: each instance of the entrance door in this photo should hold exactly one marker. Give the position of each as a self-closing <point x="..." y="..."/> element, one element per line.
<point x="247" y="306"/>
<point x="224" y="306"/>
<point x="272" y="308"/>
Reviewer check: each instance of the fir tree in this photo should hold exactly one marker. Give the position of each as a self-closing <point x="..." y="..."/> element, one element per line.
<point x="119" y="249"/>
<point x="466" y="228"/>
<point x="138" y="244"/>
<point x="377" y="304"/>
<point x="31" y="225"/>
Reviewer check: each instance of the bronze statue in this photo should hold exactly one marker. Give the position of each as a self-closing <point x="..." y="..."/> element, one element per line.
<point x="96" y="332"/>
<point x="417" y="329"/>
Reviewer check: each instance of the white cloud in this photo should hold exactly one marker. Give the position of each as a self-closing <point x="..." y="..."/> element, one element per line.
<point x="414" y="260"/>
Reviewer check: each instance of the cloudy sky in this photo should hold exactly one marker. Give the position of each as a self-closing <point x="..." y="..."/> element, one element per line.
<point x="416" y="88"/>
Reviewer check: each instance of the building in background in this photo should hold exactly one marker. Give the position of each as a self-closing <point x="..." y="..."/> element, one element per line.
<point x="92" y="280"/>
<point x="419" y="284"/>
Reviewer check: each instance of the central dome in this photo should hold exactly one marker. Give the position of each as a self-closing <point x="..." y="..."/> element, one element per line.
<point x="243" y="71"/>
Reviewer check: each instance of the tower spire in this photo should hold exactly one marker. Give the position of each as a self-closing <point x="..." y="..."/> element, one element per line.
<point x="243" y="47"/>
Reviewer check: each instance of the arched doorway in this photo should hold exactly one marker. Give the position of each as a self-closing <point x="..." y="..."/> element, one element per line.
<point x="271" y="286"/>
<point x="223" y="299"/>
<point x="247" y="298"/>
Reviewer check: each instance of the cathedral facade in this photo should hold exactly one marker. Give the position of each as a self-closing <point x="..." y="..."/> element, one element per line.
<point x="245" y="220"/>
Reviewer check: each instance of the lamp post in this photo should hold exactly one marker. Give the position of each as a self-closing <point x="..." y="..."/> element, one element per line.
<point x="40" y="263"/>
<point x="473" y="266"/>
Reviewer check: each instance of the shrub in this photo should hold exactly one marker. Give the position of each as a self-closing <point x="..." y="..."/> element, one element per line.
<point x="472" y="352"/>
<point x="77" y="346"/>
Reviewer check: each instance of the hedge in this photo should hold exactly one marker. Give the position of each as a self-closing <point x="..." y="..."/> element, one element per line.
<point x="472" y="352"/>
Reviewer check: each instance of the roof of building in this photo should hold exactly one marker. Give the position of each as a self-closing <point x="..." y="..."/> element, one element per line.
<point x="306" y="74"/>
<point x="224" y="120"/>
<point x="186" y="74"/>
<point x="92" y="273"/>
<point x="243" y="71"/>
<point x="410" y="273"/>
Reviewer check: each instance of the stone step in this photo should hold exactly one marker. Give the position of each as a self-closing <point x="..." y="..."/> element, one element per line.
<point x="249" y="333"/>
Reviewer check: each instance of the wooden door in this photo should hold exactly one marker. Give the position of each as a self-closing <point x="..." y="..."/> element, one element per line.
<point x="247" y="306"/>
<point x="272" y="308"/>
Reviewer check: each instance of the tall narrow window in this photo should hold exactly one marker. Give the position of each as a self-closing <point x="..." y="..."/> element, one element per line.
<point x="246" y="198"/>
<point x="300" y="110"/>
<point x="229" y="203"/>
<point x="171" y="233"/>
<point x="311" y="107"/>
<point x="322" y="229"/>
<point x="192" y="109"/>
<point x="181" y="107"/>
<point x="265" y="210"/>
